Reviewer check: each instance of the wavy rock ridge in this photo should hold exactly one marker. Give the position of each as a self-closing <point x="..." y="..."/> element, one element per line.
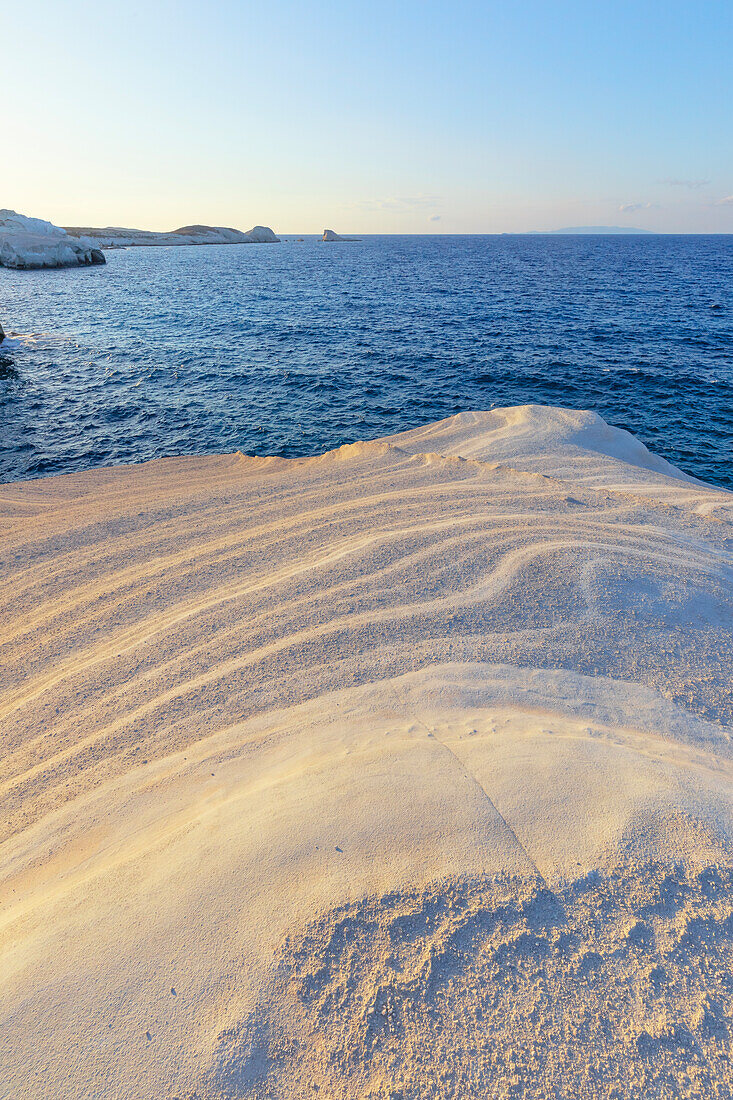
<point x="401" y="771"/>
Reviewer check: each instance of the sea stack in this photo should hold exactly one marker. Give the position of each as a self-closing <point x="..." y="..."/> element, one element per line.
<point x="331" y="237"/>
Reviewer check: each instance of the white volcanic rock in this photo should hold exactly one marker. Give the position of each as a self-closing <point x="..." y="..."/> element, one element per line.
<point x="28" y="243"/>
<point x="330" y="237"/>
<point x="405" y="770"/>
<point x="217" y="234"/>
<point x="13" y="221"/>
<point x="115" y="237"/>
<point x="262" y="234"/>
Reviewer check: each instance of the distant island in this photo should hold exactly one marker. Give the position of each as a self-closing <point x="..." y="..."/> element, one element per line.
<point x="580" y="230"/>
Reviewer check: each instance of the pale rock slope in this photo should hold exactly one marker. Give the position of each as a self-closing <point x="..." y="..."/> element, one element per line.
<point x="112" y="237"/>
<point x="398" y="772"/>
<point x="28" y="243"/>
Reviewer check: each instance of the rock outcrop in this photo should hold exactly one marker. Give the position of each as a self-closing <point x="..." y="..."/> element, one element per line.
<point x="262" y="234"/>
<point x="31" y="243"/>
<point x="331" y="237"/>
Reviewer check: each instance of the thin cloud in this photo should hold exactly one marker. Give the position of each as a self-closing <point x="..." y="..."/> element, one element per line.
<point x="399" y="204"/>
<point x="727" y="201"/>
<point x="691" y="185"/>
<point x="632" y="207"/>
<point x="434" y="218"/>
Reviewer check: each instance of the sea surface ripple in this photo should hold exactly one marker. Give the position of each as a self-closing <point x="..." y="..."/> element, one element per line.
<point x="295" y="348"/>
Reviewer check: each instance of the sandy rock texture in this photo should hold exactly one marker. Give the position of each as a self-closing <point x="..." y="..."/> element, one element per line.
<point x="402" y="771"/>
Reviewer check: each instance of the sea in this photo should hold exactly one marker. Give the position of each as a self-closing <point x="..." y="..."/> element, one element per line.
<point x="296" y="348"/>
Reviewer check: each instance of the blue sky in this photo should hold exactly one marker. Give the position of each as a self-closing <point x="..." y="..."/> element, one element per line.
<point x="369" y="117"/>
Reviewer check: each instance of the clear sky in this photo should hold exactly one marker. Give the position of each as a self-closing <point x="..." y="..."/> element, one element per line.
<point x="373" y="117"/>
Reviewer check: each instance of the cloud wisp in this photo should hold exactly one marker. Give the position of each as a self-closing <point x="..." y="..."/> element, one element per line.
<point x="398" y="204"/>
<point x="632" y="207"/>
<point x="691" y="185"/>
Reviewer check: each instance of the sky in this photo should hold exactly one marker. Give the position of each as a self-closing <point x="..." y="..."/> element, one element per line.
<point x="378" y="117"/>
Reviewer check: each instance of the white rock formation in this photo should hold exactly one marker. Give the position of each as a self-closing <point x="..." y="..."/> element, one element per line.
<point x="330" y="237"/>
<point x="27" y="243"/>
<point x="262" y="234"/>
<point x="403" y="771"/>
<point x="115" y="237"/>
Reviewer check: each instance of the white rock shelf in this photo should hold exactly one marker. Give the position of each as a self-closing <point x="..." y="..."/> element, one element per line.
<point x="28" y="244"/>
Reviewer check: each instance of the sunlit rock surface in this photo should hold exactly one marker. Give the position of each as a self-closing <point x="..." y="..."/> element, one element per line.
<point x="399" y="771"/>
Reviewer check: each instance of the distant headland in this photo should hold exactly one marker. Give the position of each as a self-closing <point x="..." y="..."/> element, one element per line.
<point x="32" y="243"/>
<point x="580" y="230"/>
<point x="115" y="237"/>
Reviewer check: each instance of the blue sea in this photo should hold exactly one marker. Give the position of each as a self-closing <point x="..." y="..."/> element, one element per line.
<point x="294" y="348"/>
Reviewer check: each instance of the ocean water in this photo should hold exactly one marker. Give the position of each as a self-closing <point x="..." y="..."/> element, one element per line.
<point x="295" y="348"/>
